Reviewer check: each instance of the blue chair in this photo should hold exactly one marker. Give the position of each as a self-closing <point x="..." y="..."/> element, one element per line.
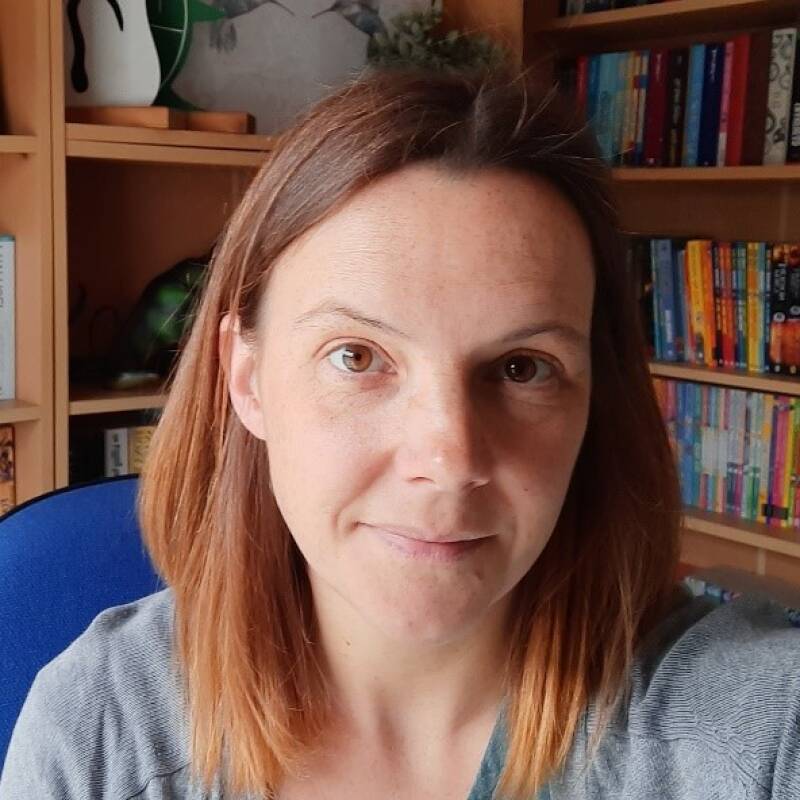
<point x="65" y="556"/>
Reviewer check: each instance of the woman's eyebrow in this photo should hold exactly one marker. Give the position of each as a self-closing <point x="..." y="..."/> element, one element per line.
<point x="332" y="308"/>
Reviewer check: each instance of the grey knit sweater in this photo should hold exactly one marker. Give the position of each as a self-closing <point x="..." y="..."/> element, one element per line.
<point x="714" y="715"/>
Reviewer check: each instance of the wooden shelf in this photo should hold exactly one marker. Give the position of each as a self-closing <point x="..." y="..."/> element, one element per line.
<point x="672" y="18"/>
<point x="12" y="411"/>
<point x="167" y="146"/>
<point x="18" y="144"/>
<point x="733" y="378"/>
<point x="753" y="534"/>
<point x="782" y="172"/>
<point x="92" y="399"/>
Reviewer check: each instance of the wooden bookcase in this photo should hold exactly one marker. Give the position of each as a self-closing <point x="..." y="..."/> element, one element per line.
<point x="128" y="204"/>
<point x="760" y="203"/>
<point x="26" y="213"/>
<point x="109" y="208"/>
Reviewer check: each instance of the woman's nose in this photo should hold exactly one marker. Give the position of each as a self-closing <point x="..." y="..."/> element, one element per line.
<point x="444" y="438"/>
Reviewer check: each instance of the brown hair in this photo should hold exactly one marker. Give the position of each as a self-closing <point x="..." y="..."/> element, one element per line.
<point x="244" y="628"/>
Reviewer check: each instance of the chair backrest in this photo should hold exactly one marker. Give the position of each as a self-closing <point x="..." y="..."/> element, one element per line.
<point x="64" y="557"/>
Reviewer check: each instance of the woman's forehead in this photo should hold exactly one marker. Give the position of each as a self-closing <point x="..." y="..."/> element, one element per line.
<point x="424" y="231"/>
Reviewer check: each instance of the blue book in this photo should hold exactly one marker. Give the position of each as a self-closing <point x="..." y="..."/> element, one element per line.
<point x="663" y="270"/>
<point x="621" y="97"/>
<point x="708" y="145"/>
<point x="681" y="323"/>
<point x="607" y="86"/>
<point x="762" y="295"/>
<point x="698" y="392"/>
<point x="592" y="84"/>
<point x="694" y="104"/>
<point x="658" y="313"/>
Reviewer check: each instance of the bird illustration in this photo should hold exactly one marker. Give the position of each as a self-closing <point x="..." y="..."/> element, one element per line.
<point x="361" y="14"/>
<point x="222" y="34"/>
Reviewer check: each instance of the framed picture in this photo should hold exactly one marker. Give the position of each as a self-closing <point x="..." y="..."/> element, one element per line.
<point x="272" y="58"/>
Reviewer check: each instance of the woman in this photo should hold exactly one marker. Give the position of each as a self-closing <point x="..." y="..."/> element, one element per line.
<point x="414" y="501"/>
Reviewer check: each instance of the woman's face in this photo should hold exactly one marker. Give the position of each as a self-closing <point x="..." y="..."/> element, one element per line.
<point x="422" y="385"/>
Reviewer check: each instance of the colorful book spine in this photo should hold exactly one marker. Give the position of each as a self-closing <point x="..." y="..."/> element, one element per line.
<point x="707" y="277"/>
<point x="642" y="87"/>
<point x="677" y="80"/>
<point x="718" y="310"/>
<point x="738" y="99"/>
<point x="728" y="327"/>
<point x="725" y="103"/>
<point x="781" y="71"/>
<point x="694" y="104"/>
<point x="793" y="149"/>
<point x="708" y="135"/>
<point x="740" y="264"/>
<point x="767" y="447"/>
<point x="655" y="118"/>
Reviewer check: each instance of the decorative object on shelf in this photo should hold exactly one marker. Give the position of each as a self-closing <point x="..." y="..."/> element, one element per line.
<point x="109" y="54"/>
<point x="278" y="63"/>
<point x="414" y="41"/>
<point x="172" y="23"/>
<point x="147" y="342"/>
<point x="150" y="339"/>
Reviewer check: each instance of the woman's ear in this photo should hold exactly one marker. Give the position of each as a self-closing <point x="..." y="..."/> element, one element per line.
<point x="238" y="360"/>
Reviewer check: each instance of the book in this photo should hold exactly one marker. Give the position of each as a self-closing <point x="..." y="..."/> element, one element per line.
<point x="779" y="95"/>
<point x="755" y="110"/>
<point x="784" y="331"/>
<point x="138" y="445"/>
<point x="708" y="134"/>
<point x="677" y="72"/>
<point x="8" y="388"/>
<point x="738" y="98"/>
<point x="793" y="148"/>
<point x="725" y="103"/>
<point x="116" y="452"/>
<point x="694" y="104"/>
<point x="655" y="117"/>
<point x="8" y="481"/>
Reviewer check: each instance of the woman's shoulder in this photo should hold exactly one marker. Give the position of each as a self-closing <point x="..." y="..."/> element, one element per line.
<point x="108" y="711"/>
<point x="726" y="677"/>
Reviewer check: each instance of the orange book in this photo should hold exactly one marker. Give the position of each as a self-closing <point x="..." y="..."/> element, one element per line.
<point x="709" y="323"/>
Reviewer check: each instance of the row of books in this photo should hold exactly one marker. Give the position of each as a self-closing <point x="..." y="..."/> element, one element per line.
<point x="703" y="587"/>
<point x="737" y="451"/>
<point x="720" y="304"/>
<point x="728" y="103"/>
<point x="568" y="8"/>
<point x="99" y="452"/>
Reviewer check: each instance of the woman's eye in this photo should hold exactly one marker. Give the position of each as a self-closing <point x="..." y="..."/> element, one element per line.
<point x="354" y="358"/>
<point x="359" y="358"/>
<point x="526" y="369"/>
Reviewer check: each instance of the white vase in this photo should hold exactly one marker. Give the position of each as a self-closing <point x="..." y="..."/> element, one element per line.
<point x="113" y="66"/>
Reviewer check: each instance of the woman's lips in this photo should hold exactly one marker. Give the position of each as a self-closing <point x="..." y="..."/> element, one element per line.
<point x="433" y="551"/>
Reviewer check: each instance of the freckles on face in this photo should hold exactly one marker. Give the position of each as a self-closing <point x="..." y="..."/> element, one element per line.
<point x="425" y="364"/>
